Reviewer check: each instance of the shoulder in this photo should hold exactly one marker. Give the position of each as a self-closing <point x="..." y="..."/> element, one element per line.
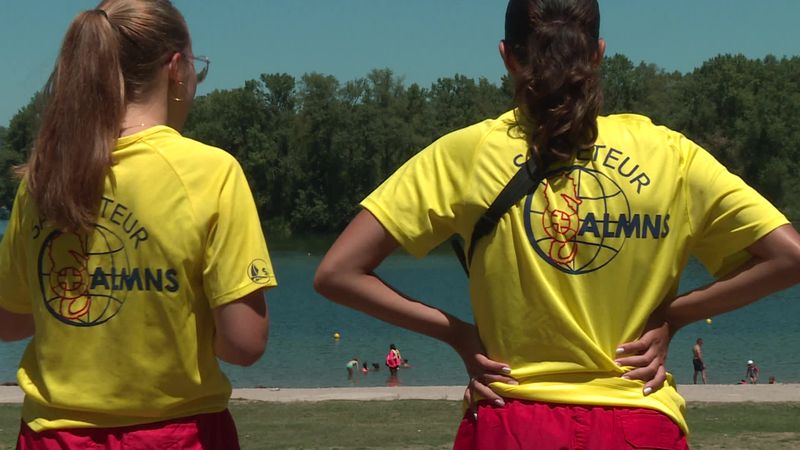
<point x="641" y="126"/>
<point x="639" y="132"/>
<point x="457" y="149"/>
<point x="204" y="154"/>
<point x="22" y="195"/>
<point x="203" y="171"/>
<point x="175" y="148"/>
<point x="194" y="161"/>
<point x="501" y="127"/>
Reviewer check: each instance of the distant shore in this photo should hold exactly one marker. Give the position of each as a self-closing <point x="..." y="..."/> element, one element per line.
<point x="724" y="393"/>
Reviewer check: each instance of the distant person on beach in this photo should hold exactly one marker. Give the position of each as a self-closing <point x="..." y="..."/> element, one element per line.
<point x="364" y="368"/>
<point x="376" y="367"/>
<point x="588" y="257"/>
<point x="136" y="252"/>
<point x="752" y="372"/>
<point x="393" y="359"/>
<point x="771" y="380"/>
<point x="697" y="361"/>
<point x="405" y="364"/>
<point x="352" y="367"/>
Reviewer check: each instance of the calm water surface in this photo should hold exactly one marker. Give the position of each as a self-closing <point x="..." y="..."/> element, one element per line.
<point x="303" y="353"/>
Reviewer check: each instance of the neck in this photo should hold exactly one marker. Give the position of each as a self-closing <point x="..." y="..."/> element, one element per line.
<point x="140" y="116"/>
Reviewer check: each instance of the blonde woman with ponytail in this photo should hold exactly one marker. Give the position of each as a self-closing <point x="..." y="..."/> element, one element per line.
<point x="134" y="256"/>
<point x="587" y="260"/>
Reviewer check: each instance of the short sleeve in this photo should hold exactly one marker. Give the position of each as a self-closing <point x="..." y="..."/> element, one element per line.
<point x="236" y="258"/>
<point x="726" y="214"/>
<point x="14" y="293"/>
<point x="418" y="204"/>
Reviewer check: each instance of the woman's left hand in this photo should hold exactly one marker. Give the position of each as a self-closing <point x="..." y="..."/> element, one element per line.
<point x="482" y="371"/>
<point x="648" y="354"/>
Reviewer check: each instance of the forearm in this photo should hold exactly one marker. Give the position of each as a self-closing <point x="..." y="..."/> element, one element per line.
<point x="14" y="327"/>
<point x="756" y="279"/>
<point x="367" y="293"/>
<point x="346" y="276"/>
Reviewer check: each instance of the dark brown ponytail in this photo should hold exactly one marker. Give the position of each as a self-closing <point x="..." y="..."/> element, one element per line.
<point x="109" y="58"/>
<point x="557" y="87"/>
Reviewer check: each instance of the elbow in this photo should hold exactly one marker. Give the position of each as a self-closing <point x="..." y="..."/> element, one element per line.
<point x="334" y="284"/>
<point x="242" y="362"/>
<point x="253" y="354"/>
<point x="14" y="327"/>
<point x="324" y="280"/>
<point x="7" y="334"/>
<point x="242" y="350"/>
<point x="244" y="356"/>
<point x="794" y="261"/>
<point x="782" y="246"/>
<point x="7" y="337"/>
<point x="249" y="358"/>
<point x="790" y="265"/>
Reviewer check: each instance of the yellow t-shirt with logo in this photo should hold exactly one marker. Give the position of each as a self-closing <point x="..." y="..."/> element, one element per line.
<point x="575" y="269"/>
<point x="123" y="316"/>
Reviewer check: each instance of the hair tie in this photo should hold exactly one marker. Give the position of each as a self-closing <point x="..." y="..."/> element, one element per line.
<point x="103" y="12"/>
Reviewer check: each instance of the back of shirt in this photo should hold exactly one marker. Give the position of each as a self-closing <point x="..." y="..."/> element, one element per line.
<point x="123" y="315"/>
<point x="576" y="268"/>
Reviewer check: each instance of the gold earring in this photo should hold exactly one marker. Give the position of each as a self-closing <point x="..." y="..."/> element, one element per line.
<point x="178" y="99"/>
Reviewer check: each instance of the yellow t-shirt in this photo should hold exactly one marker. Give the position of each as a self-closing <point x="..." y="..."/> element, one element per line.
<point x="123" y="316"/>
<point x="575" y="269"/>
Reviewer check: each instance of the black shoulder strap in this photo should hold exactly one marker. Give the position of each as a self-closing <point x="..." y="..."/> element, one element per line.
<point x="522" y="183"/>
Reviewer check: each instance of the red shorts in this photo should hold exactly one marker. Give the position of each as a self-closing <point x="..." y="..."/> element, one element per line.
<point x="532" y="425"/>
<point x="200" y="432"/>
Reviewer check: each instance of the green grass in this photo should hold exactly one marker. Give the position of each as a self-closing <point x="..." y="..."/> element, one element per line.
<point x="431" y="424"/>
<point x="9" y="425"/>
<point x="347" y="424"/>
<point x="744" y="425"/>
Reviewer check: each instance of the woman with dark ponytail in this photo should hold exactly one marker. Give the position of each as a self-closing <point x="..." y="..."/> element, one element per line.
<point x="588" y="258"/>
<point x="134" y="256"/>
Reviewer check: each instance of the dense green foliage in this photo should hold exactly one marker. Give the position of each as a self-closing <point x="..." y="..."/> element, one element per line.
<point x="313" y="146"/>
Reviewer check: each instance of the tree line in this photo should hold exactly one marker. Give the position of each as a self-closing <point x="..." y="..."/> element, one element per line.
<point x="312" y="147"/>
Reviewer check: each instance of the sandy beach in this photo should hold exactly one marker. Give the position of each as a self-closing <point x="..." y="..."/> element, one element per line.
<point x="692" y="393"/>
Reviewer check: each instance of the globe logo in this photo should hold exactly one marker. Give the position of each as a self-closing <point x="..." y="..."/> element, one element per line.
<point x="571" y="219"/>
<point x="69" y="267"/>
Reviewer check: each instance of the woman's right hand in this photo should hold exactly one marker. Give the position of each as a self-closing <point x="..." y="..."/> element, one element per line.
<point x="647" y="355"/>
<point x="482" y="371"/>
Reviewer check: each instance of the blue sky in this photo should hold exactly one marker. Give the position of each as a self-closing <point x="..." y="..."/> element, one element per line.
<point x="421" y="40"/>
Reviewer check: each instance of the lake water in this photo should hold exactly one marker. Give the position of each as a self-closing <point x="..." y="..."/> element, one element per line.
<point x="303" y="353"/>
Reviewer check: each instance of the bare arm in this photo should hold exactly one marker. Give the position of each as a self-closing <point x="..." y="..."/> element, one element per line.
<point x="775" y="266"/>
<point x="346" y="276"/>
<point x="241" y="329"/>
<point x="14" y="327"/>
